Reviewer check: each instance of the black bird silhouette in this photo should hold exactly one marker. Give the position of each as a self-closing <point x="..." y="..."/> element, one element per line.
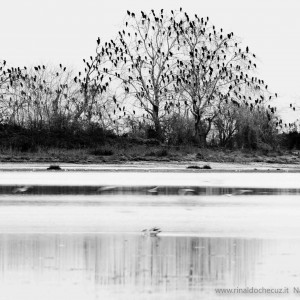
<point x="98" y="41"/>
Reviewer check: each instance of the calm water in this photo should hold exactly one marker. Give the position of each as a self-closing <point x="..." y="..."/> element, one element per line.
<point x="91" y="247"/>
<point x="97" y="266"/>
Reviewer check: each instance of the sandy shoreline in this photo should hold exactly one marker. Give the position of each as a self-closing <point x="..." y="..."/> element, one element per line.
<point x="146" y="166"/>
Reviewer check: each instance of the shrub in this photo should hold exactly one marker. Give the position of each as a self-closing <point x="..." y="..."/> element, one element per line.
<point x="255" y="130"/>
<point x="290" y="140"/>
<point x="73" y="136"/>
<point x="179" y="130"/>
<point x="158" y="153"/>
<point x="102" y="152"/>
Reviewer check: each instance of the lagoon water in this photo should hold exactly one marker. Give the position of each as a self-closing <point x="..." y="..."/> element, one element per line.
<point x="90" y="246"/>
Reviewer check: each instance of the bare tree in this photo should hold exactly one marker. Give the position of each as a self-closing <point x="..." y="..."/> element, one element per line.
<point x="213" y="70"/>
<point x="40" y="97"/>
<point x="94" y="85"/>
<point x="225" y="123"/>
<point x="9" y="79"/>
<point x="144" y="59"/>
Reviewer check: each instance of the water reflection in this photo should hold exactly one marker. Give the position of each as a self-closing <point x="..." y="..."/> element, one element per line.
<point x="140" y="190"/>
<point x="124" y="266"/>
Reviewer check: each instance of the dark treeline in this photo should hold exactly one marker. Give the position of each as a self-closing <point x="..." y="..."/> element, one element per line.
<point x="169" y="76"/>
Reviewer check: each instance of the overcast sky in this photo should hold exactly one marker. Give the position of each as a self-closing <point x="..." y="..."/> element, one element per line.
<point x="65" y="31"/>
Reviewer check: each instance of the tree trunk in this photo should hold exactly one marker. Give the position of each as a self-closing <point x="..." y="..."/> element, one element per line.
<point x="157" y="125"/>
<point x="200" y="132"/>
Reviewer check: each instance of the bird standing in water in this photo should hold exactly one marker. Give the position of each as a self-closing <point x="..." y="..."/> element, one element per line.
<point x="152" y="232"/>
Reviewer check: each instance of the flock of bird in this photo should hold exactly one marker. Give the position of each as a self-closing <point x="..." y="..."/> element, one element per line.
<point x="164" y="62"/>
<point x="161" y="56"/>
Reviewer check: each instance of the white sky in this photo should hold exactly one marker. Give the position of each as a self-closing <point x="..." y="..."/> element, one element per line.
<point x="65" y="31"/>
